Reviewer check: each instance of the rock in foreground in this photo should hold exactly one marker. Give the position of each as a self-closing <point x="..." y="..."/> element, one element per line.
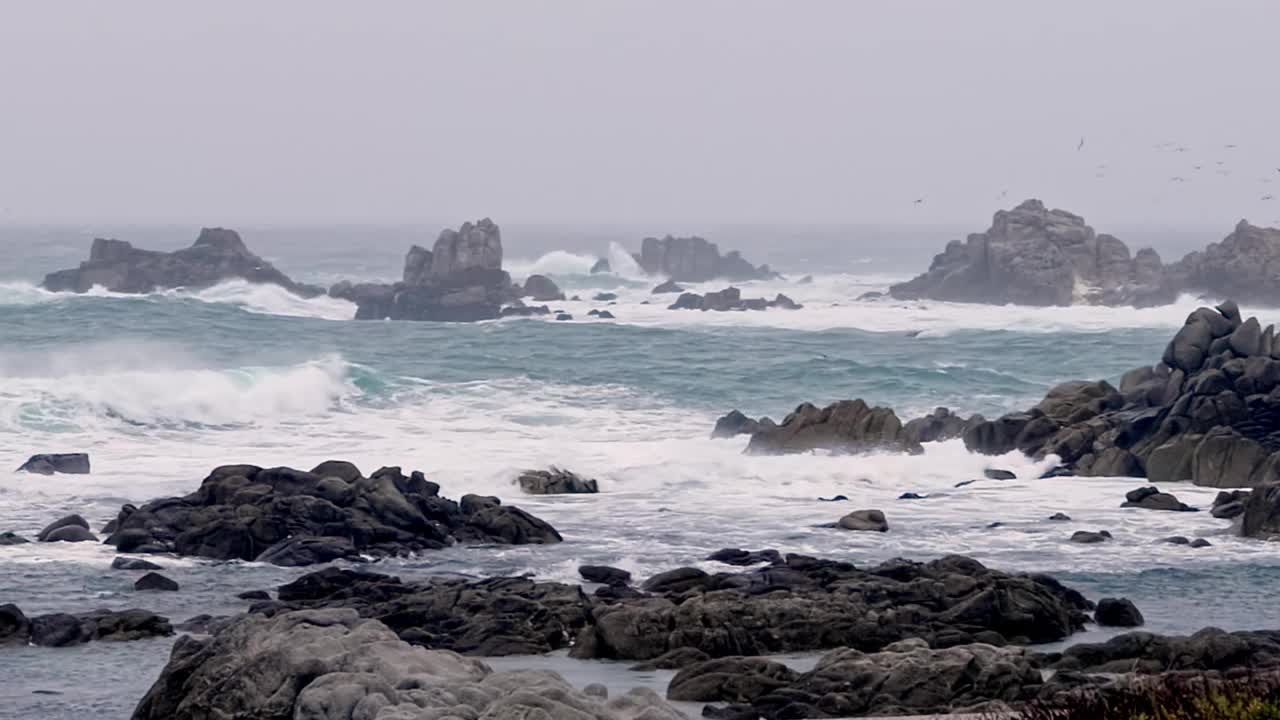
<point x="50" y="463"/>
<point x="293" y="517"/>
<point x="63" y="629"/>
<point x="218" y="255"/>
<point x="333" y="664"/>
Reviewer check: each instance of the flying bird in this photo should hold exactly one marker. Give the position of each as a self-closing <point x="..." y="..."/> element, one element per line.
<point x="1229" y="146"/>
<point x="1268" y="197"/>
<point x="1081" y="145"/>
<point x="1177" y="178"/>
<point x="918" y="201"/>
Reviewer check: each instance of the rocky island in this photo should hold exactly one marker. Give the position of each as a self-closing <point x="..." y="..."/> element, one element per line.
<point x="695" y="259"/>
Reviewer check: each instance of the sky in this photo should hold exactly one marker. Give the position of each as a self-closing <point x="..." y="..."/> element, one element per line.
<point x="315" y="111"/>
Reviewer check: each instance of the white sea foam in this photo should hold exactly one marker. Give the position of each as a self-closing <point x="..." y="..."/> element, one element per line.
<point x="264" y="299"/>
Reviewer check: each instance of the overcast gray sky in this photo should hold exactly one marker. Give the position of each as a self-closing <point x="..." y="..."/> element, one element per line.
<point x="731" y="110"/>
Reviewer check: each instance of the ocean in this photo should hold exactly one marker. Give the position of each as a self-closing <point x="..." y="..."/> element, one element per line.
<point x="161" y="388"/>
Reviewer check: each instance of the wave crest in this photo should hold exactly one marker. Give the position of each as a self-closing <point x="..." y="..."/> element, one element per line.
<point x="262" y="299"/>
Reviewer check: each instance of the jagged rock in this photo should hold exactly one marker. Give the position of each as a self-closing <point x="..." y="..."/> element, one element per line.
<point x="63" y="629"/>
<point x="601" y="266"/>
<point x="1229" y="505"/>
<point x="669" y="286"/>
<point x="1240" y="266"/>
<point x="542" y="289"/>
<point x="155" y="581"/>
<point x="845" y="426"/>
<point x="216" y="256"/>
<point x="730" y="299"/>
<point x="50" y="463"/>
<point x="941" y="424"/>
<point x="693" y="259"/>
<point x="332" y="663"/>
<point x="296" y="517"/>
<point x="474" y="246"/>
<point x="864" y="520"/>
<point x="601" y="314"/>
<point x="1035" y="256"/>
<point x="417" y="266"/>
<point x="735" y="423"/>
<point x="522" y="310"/>
<point x="1117" y="612"/>
<point x="1144" y="652"/>
<point x="555" y="482"/>
<point x="1150" y="498"/>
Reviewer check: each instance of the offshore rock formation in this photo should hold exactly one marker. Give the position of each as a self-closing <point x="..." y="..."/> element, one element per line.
<point x="1035" y="256"/>
<point x="292" y="517"/>
<point x="1244" y="266"/>
<point x="50" y="463"/>
<point x="848" y="426"/>
<point x="694" y="259"/>
<point x="333" y="664"/>
<point x="217" y="255"/>
<point x="728" y="299"/>
<point x="64" y="629"/>
<point x="460" y="280"/>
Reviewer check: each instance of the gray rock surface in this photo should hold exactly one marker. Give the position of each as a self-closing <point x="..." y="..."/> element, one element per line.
<point x="216" y="256"/>
<point x="555" y="482"/>
<point x="694" y="259"/>
<point x="50" y="463"/>
<point x="848" y="426"/>
<point x="1245" y="265"/>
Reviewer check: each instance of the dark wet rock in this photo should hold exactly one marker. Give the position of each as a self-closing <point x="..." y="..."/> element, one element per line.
<point x="601" y="266"/>
<point x="1088" y="537"/>
<point x="732" y="679"/>
<point x="604" y="296"/>
<point x="998" y="474"/>
<point x="912" y="496"/>
<point x="1060" y="517"/>
<point x="1201" y="543"/>
<point x="216" y="256"/>
<point x="128" y="563"/>
<point x="693" y="259"/>
<point x="522" y="310"/>
<point x="563" y="316"/>
<point x="10" y="538"/>
<point x="459" y="280"/>
<point x="71" y="528"/>
<point x="203" y="624"/>
<point x="669" y="286"/>
<point x="1176" y="540"/>
<point x="155" y="581"/>
<point x="848" y="426"/>
<point x="1261" y="516"/>
<point x="542" y="289"/>
<point x="605" y="575"/>
<point x="1229" y="504"/>
<point x="602" y="315"/>
<point x="1144" y="652"/>
<point x="1117" y="612"/>
<point x="864" y="521"/>
<point x="941" y="424"/>
<point x="63" y="629"/>
<point x="676" y="581"/>
<point x="743" y="558"/>
<point x="555" y="482"/>
<point x="296" y="517"/>
<point x="254" y="595"/>
<point x="675" y="660"/>
<point x="730" y="299"/>
<point x="15" y="628"/>
<point x="50" y="463"/>
<point x="834" y="498"/>
<point x="735" y="423"/>
<point x="1150" y="498"/>
<point x="252" y="667"/>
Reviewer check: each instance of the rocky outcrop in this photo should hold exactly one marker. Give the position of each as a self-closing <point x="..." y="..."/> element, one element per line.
<point x="940" y="425"/>
<point x="1117" y="612"/>
<point x="71" y="528"/>
<point x="735" y="423"/>
<point x="333" y="664"/>
<point x="50" y="463"/>
<point x="216" y="256"/>
<point x="63" y="629"/>
<point x="1032" y="255"/>
<point x="1150" y="498"/>
<point x="1245" y="265"/>
<point x="731" y="299"/>
<point x="669" y="286"/>
<point x="542" y="289"/>
<point x="805" y="604"/>
<point x="293" y="517"/>
<point x="1209" y="649"/>
<point x="693" y="259"/>
<point x="848" y="426"/>
<point x="863" y="521"/>
<point x="460" y="280"/>
<point x="555" y="482"/>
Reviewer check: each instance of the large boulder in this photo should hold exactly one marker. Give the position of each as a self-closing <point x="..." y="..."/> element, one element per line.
<point x="59" y="530"/>
<point x="864" y="521"/>
<point x="333" y="664"/>
<point x="1261" y="515"/>
<point x="1150" y="498"/>
<point x="542" y="289"/>
<point x="50" y="463"/>
<point x="474" y="246"/>
<point x="1032" y="255"/>
<point x="848" y="426"/>
<point x="693" y="259"/>
<point x="294" y="517"/>
<point x="216" y="256"/>
<point x="1117" y="612"/>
